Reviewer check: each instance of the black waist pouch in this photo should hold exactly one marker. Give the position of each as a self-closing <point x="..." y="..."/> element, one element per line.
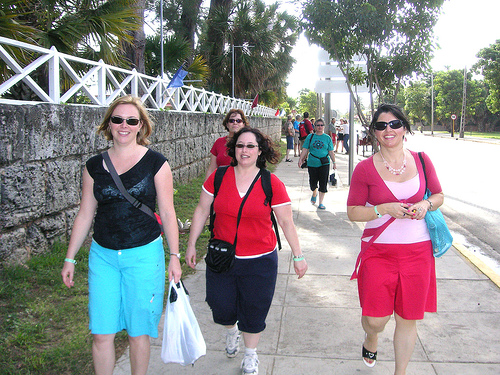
<point x="220" y="255"/>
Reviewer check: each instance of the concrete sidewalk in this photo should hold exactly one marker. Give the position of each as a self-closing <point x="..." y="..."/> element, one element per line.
<point x="314" y="326"/>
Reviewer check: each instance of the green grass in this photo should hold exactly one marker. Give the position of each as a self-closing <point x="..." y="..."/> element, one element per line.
<point x="44" y="325"/>
<point x="482" y="135"/>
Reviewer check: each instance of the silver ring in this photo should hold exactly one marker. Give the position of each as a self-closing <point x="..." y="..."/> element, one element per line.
<point x="420" y="209"/>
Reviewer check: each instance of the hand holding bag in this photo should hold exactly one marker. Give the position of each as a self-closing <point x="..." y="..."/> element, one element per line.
<point x="183" y="341"/>
<point x="438" y="230"/>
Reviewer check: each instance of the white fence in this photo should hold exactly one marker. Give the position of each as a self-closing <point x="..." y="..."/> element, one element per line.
<point x="95" y="83"/>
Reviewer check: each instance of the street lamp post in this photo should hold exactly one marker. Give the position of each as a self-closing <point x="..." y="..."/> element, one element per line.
<point x="232" y="65"/>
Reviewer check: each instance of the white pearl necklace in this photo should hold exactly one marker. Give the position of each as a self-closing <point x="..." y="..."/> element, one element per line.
<point x="392" y="170"/>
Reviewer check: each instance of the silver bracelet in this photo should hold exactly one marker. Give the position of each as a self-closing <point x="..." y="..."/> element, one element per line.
<point x="430" y="204"/>
<point x="178" y="255"/>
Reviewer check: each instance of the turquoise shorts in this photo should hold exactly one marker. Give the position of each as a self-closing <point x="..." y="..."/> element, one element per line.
<point x="126" y="289"/>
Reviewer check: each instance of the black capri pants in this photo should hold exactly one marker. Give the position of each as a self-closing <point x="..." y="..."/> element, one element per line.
<point x="319" y="175"/>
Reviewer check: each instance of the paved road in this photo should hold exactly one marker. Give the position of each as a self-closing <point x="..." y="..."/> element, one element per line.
<point x="469" y="174"/>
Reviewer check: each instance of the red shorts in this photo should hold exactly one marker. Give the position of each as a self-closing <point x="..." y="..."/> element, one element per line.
<point x="398" y="278"/>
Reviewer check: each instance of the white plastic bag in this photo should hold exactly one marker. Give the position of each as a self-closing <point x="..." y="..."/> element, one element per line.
<point x="182" y="339"/>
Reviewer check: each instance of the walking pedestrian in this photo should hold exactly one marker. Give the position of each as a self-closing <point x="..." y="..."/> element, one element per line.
<point x="126" y="260"/>
<point x="316" y="148"/>
<point x="396" y="272"/>
<point x="240" y="298"/>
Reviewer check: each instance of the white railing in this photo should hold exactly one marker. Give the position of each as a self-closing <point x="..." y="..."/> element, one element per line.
<point x="95" y="83"/>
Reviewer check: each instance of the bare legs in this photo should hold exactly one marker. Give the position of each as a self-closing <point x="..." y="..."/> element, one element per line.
<point x="251" y="340"/>
<point x="405" y="336"/>
<point x="103" y="353"/>
<point x="139" y="354"/>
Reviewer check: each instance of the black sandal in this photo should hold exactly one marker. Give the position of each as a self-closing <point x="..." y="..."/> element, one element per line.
<point x="369" y="355"/>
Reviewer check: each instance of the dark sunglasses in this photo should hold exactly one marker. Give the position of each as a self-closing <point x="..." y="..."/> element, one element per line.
<point x="320" y="124"/>
<point x="250" y="146"/>
<point x="129" y="121"/>
<point x="233" y="120"/>
<point x="394" y="124"/>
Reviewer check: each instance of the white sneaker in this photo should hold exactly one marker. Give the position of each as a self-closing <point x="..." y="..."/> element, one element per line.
<point x="232" y="344"/>
<point x="250" y="364"/>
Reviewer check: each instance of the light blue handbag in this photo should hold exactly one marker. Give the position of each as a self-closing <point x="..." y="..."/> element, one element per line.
<point x="438" y="230"/>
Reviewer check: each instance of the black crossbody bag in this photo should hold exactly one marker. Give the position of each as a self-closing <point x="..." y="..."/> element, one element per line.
<point x="119" y="184"/>
<point x="221" y="254"/>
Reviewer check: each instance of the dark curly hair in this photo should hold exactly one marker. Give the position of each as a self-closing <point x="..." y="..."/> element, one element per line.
<point x="266" y="146"/>
<point x="395" y="110"/>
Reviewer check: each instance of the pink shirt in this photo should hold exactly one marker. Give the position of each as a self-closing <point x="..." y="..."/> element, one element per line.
<point x="368" y="189"/>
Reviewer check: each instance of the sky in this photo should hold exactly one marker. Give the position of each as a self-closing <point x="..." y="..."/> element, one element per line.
<point x="463" y="29"/>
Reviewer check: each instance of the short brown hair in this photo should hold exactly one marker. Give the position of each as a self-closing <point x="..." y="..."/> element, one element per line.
<point x="231" y="111"/>
<point x="147" y="124"/>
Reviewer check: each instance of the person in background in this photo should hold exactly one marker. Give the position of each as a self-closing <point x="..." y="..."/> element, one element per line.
<point x="296" y="151"/>
<point x="240" y="298"/>
<point x="346" y="136"/>
<point x="332" y="130"/>
<point x="317" y="147"/>
<point x="235" y="120"/>
<point x="126" y="261"/>
<point x="289" y="137"/>
<point x="305" y="128"/>
<point x="340" y="136"/>
<point x="396" y="272"/>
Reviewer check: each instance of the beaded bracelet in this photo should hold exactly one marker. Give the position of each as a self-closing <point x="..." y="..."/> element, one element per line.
<point x="298" y="258"/>
<point x="70" y="260"/>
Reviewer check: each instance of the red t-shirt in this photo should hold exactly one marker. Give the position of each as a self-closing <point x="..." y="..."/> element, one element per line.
<point x="255" y="232"/>
<point x="219" y="150"/>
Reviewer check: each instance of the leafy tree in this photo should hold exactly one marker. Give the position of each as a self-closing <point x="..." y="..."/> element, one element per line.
<point x="308" y="102"/>
<point x="182" y="19"/>
<point x="448" y="88"/>
<point x="417" y="101"/>
<point x="489" y="65"/>
<point x="394" y="36"/>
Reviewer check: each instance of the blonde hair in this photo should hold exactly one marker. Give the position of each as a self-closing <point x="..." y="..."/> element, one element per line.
<point x="147" y="124"/>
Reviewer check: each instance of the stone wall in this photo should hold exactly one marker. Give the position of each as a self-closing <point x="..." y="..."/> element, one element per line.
<point x="43" y="149"/>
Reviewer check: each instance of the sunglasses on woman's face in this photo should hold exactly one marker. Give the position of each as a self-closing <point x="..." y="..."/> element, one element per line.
<point x="394" y="124"/>
<point x="250" y="146"/>
<point x="237" y="120"/>
<point x="129" y="121"/>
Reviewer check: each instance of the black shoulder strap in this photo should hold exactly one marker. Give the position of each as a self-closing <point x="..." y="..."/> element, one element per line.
<point x="219" y="175"/>
<point x="268" y="191"/>
<point x="423" y="167"/>
<point x="119" y="184"/>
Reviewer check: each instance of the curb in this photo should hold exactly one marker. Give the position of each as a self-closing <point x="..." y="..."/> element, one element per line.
<point x="480" y="265"/>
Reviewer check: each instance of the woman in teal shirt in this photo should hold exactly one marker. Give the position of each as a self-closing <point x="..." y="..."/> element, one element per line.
<point x="317" y="147"/>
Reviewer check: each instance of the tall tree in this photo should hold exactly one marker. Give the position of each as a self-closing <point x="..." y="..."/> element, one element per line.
<point x="489" y="66"/>
<point x="394" y="37"/>
<point x="263" y="38"/>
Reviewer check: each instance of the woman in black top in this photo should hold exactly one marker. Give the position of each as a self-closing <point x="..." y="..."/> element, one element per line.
<point x="126" y="260"/>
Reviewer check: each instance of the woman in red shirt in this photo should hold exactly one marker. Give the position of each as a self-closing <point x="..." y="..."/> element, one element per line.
<point x="235" y="119"/>
<point x="396" y="266"/>
<point x="241" y="297"/>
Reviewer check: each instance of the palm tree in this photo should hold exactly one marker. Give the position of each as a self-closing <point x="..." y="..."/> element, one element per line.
<point x="262" y="59"/>
<point x="91" y="29"/>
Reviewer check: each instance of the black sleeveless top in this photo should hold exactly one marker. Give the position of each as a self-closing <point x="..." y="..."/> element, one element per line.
<point x="118" y="224"/>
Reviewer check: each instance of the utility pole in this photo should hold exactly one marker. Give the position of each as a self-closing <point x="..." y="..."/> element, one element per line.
<point x="432" y="103"/>
<point x="462" y="118"/>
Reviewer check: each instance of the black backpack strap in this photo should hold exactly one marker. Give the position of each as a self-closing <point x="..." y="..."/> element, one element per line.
<point x="219" y="175"/>
<point x="268" y="191"/>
